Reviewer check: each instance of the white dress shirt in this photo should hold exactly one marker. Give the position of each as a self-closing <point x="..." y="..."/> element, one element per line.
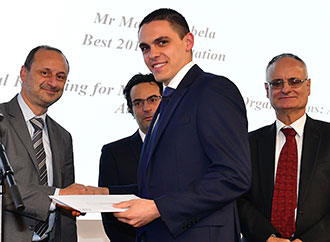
<point x="28" y="114"/>
<point x="298" y="126"/>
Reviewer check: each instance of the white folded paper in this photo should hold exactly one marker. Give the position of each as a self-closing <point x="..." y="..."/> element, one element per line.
<point x="93" y="203"/>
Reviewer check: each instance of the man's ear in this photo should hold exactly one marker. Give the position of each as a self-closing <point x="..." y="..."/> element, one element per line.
<point x="267" y="89"/>
<point x="23" y="73"/>
<point x="309" y="86"/>
<point x="189" y="39"/>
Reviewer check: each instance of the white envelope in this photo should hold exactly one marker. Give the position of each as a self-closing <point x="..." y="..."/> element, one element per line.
<point x="93" y="203"/>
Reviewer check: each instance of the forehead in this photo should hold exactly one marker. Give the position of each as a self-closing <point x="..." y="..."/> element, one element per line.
<point x="49" y="59"/>
<point x="287" y="67"/>
<point x="144" y="90"/>
<point x="156" y="29"/>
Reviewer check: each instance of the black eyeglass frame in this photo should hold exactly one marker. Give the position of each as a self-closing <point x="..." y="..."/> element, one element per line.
<point x="150" y="100"/>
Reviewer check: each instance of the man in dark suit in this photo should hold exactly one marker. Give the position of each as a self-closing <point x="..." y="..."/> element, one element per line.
<point x="119" y="160"/>
<point x="288" y="88"/>
<point x="195" y="159"/>
<point x="48" y="172"/>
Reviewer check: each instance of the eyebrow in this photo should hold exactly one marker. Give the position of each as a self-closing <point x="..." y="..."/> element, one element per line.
<point x="142" y="44"/>
<point x="140" y="99"/>
<point x="49" y="69"/>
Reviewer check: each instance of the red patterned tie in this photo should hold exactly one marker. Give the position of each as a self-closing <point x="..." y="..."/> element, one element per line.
<point x="285" y="190"/>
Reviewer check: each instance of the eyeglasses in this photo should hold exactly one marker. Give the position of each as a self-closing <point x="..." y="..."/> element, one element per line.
<point x="152" y="100"/>
<point x="292" y="82"/>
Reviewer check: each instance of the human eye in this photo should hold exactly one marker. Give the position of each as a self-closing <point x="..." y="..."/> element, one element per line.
<point x="163" y="42"/>
<point x="45" y="73"/>
<point x="294" y="81"/>
<point x="152" y="99"/>
<point x="144" y="48"/>
<point x="276" y="82"/>
<point x="138" y="103"/>
<point x="61" y="77"/>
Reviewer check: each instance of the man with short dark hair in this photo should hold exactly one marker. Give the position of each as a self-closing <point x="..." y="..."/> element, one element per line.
<point x="289" y="199"/>
<point x="119" y="159"/>
<point x="195" y="159"/>
<point x="40" y="153"/>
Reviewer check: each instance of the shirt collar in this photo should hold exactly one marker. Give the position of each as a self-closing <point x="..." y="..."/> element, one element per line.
<point x="142" y="135"/>
<point x="174" y="83"/>
<point x="26" y="110"/>
<point x="298" y="125"/>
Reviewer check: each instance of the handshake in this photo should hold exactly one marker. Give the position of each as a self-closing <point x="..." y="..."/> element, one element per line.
<point x="79" y="189"/>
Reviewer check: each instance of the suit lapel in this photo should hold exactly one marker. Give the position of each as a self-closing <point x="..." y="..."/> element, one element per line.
<point x="178" y="94"/>
<point x="136" y="144"/>
<point x="166" y="116"/>
<point x="53" y="140"/>
<point x="310" y="151"/>
<point x="16" y="119"/>
<point x="266" y="165"/>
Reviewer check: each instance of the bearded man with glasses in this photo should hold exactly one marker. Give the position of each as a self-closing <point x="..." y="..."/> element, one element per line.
<point x="290" y="198"/>
<point x="119" y="159"/>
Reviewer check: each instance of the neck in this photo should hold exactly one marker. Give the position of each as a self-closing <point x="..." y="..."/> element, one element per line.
<point x="36" y="109"/>
<point x="289" y="117"/>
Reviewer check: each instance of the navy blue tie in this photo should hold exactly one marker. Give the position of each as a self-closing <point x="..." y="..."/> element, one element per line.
<point x="165" y="99"/>
<point x="144" y="164"/>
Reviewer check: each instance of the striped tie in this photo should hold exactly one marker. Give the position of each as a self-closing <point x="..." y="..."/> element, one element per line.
<point x="38" y="146"/>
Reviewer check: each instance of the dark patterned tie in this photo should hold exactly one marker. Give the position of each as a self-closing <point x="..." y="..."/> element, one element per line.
<point x="165" y="99"/>
<point x="147" y="149"/>
<point x="38" y="146"/>
<point x="285" y="190"/>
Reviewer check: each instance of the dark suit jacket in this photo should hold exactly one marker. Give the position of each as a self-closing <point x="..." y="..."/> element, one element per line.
<point x="313" y="211"/>
<point x="19" y="226"/>
<point x="199" y="162"/>
<point x="118" y="166"/>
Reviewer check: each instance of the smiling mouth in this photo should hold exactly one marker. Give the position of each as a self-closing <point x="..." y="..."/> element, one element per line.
<point x="158" y="65"/>
<point x="288" y="97"/>
<point x="50" y="91"/>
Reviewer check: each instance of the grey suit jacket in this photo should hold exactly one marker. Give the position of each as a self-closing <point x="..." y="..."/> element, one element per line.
<point x="313" y="209"/>
<point x="19" y="226"/>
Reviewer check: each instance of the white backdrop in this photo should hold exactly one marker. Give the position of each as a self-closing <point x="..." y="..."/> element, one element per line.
<point x="234" y="38"/>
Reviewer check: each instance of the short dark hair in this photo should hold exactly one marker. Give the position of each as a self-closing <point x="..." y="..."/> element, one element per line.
<point x="276" y="58"/>
<point x="176" y="19"/>
<point x="137" y="79"/>
<point x="30" y="57"/>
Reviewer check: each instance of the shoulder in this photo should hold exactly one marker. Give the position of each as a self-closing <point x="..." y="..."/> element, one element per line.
<point x="56" y="130"/>
<point x="9" y="107"/>
<point x="210" y="80"/>
<point x="119" y="144"/>
<point x="4" y="109"/>
<point x="318" y="125"/>
<point x="261" y="132"/>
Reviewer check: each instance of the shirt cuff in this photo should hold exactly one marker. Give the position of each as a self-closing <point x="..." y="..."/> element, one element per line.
<point x="53" y="203"/>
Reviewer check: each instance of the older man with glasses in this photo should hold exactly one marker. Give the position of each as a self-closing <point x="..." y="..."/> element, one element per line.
<point x="290" y="197"/>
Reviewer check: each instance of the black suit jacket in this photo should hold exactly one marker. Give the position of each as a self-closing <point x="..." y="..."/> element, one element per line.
<point x="118" y="166"/>
<point x="313" y="209"/>
<point x="18" y="226"/>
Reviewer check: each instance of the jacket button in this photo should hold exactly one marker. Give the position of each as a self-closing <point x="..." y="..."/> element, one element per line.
<point x="31" y="227"/>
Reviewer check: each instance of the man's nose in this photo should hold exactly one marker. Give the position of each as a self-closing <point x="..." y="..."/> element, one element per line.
<point x="286" y="87"/>
<point x="153" y="53"/>
<point x="146" y="106"/>
<point x="52" y="81"/>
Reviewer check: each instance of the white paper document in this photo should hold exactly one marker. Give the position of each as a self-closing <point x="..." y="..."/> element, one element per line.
<point x="93" y="203"/>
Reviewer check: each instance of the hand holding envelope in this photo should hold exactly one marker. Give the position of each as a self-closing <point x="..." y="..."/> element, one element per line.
<point x="79" y="189"/>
